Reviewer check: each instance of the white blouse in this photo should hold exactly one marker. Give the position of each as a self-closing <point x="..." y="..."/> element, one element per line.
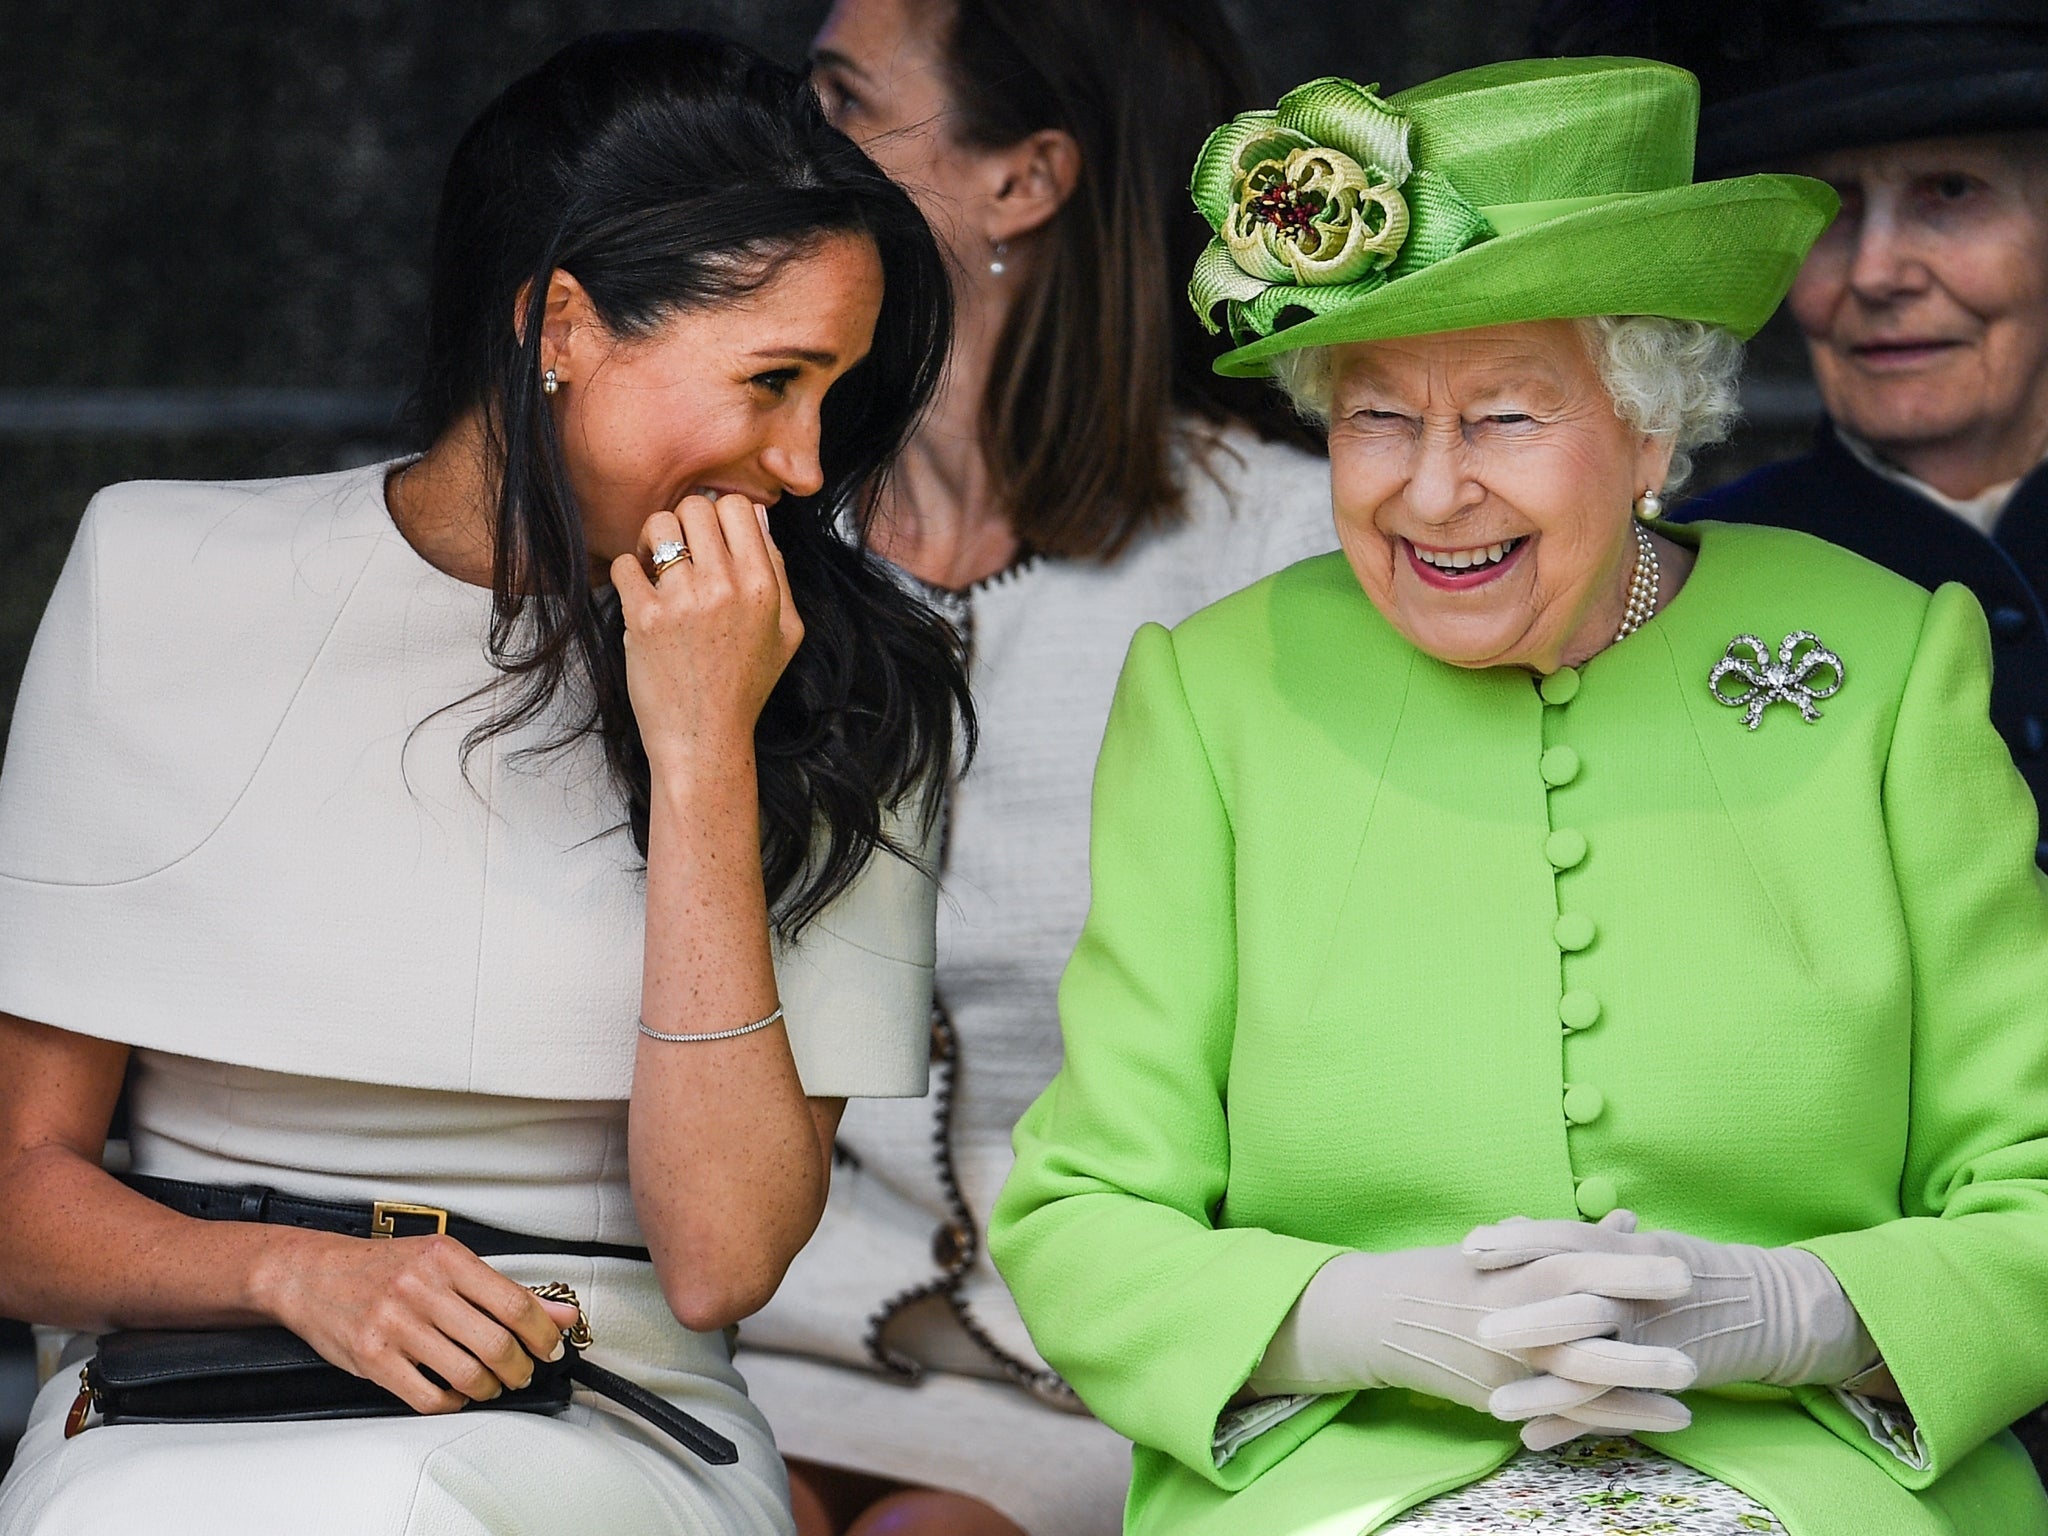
<point x="237" y="823"/>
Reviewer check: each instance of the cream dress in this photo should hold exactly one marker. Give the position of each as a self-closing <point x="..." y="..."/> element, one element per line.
<point x="1047" y="642"/>
<point x="238" y="832"/>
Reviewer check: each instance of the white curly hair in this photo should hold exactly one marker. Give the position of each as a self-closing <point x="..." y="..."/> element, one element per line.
<point x="1670" y="378"/>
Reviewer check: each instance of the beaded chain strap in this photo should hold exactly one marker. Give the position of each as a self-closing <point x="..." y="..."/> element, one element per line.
<point x="956" y="1245"/>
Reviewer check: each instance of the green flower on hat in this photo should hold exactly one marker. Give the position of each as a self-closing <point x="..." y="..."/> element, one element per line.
<point x="1315" y="216"/>
<point x="1314" y="204"/>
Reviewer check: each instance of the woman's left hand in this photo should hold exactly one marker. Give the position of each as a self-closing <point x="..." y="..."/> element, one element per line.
<point x="1773" y="1315"/>
<point x="707" y="639"/>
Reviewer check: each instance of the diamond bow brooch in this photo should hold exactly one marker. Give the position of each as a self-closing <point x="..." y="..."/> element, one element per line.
<point x="1803" y="673"/>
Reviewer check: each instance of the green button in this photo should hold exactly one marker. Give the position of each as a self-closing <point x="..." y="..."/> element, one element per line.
<point x="1583" y="1103"/>
<point x="1561" y="687"/>
<point x="1565" y="848"/>
<point x="1597" y="1196"/>
<point x="1573" y="931"/>
<point x="1560" y="765"/>
<point x="1578" y="1009"/>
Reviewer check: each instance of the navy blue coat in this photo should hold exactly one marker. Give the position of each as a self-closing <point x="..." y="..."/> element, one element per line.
<point x="1828" y="493"/>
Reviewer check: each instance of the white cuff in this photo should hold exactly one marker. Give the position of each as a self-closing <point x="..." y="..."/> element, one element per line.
<point x="1890" y="1424"/>
<point x="1238" y="1427"/>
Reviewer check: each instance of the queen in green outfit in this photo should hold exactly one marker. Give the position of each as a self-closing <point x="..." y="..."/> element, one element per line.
<point x="1560" y="1041"/>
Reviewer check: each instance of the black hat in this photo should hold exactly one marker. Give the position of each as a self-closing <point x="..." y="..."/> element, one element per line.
<point x="1784" y="78"/>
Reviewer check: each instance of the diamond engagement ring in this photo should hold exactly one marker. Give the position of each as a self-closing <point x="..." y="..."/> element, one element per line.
<point x="667" y="553"/>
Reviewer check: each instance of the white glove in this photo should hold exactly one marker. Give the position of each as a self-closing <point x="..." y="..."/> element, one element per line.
<point x="1410" y="1319"/>
<point x="1773" y="1315"/>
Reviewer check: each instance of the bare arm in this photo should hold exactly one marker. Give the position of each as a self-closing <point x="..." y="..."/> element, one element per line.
<point x="80" y="1249"/>
<point x="730" y="1161"/>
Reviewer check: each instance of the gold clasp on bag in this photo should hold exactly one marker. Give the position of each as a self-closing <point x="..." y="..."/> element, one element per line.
<point x="381" y="1212"/>
<point x="81" y="1409"/>
<point x="557" y="1290"/>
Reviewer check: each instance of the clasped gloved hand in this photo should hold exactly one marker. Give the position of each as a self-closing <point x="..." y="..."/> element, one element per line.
<point x="1412" y="1319"/>
<point x="1772" y="1315"/>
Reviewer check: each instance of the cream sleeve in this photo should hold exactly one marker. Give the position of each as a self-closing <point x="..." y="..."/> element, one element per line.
<point x="856" y="986"/>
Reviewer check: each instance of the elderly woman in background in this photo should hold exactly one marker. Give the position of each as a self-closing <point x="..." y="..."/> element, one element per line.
<point x="1083" y="471"/>
<point x="1382" y="953"/>
<point x="1924" y="306"/>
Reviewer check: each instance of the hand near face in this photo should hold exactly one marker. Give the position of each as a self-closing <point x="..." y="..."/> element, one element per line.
<point x="708" y="638"/>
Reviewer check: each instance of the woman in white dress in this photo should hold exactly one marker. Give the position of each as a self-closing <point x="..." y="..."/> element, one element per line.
<point x="1082" y="472"/>
<point x="333" y="806"/>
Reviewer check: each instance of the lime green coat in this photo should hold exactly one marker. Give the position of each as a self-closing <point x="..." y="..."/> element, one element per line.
<point x="1317" y="1006"/>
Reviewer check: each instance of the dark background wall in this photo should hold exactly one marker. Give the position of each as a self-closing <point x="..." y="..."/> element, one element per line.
<point x="214" y="217"/>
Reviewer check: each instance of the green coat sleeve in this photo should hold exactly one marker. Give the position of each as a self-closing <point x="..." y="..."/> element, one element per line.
<point x="1955" y="1293"/>
<point x="1106" y="1231"/>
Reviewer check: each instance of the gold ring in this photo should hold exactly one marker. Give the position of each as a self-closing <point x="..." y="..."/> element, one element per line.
<point x="667" y="553"/>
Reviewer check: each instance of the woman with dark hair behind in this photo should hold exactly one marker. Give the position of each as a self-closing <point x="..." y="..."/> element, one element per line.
<point x="1082" y="472"/>
<point x="363" y="812"/>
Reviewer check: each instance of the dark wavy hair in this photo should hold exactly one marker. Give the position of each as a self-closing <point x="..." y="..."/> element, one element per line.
<point x="1103" y="349"/>
<point x="670" y="171"/>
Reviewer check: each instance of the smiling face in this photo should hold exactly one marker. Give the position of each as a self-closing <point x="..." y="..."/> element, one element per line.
<point x="1925" y="304"/>
<point x="721" y="399"/>
<point x="1483" y="488"/>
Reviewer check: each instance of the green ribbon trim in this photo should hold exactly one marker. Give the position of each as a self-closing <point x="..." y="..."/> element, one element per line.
<point x="1444" y="223"/>
<point x="1507" y="218"/>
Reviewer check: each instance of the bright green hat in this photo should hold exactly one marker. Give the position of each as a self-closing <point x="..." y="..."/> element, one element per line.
<point x="1545" y="189"/>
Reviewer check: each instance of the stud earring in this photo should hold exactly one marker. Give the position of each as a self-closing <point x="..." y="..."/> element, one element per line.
<point x="997" y="266"/>
<point x="549" y="383"/>
<point x="1650" y="506"/>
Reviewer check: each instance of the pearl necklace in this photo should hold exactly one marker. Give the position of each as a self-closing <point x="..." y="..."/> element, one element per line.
<point x="1642" y="587"/>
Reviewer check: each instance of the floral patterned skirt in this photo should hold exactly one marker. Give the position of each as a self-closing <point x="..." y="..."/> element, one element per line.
<point x="1611" y="1487"/>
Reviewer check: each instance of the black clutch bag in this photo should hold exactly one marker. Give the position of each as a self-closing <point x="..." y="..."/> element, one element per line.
<point x="245" y="1375"/>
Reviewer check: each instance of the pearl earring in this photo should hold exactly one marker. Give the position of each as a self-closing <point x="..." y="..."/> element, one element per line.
<point x="997" y="267"/>
<point x="549" y="383"/>
<point x="1650" y="506"/>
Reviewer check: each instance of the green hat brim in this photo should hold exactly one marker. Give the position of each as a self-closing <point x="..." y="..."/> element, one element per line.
<point x="1720" y="252"/>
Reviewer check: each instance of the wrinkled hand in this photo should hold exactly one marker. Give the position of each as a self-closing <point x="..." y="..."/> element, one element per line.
<point x="1411" y="1319"/>
<point x="1773" y="1315"/>
<point x="385" y="1309"/>
<point x="707" y="640"/>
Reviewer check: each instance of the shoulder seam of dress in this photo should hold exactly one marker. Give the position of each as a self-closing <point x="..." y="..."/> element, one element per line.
<point x="1379" y="783"/>
<point x="255" y="769"/>
<point x="1180" y="687"/>
<point x="1692" y="709"/>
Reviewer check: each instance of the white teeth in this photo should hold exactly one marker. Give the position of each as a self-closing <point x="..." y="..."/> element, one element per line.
<point x="1467" y="559"/>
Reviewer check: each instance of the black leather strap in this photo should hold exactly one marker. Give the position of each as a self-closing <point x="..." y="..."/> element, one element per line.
<point x="215" y="1202"/>
<point x="253" y="1202"/>
<point x="694" y="1435"/>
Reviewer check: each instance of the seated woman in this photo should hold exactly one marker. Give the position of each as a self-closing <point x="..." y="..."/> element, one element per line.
<point x="333" y="805"/>
<point x="1382" y="949"/>
<point x="1058" y="494"/>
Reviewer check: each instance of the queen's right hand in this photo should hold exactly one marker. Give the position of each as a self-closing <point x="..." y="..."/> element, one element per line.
<point x="1411" y="1318"/>
<point x="389" y="1309"/>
